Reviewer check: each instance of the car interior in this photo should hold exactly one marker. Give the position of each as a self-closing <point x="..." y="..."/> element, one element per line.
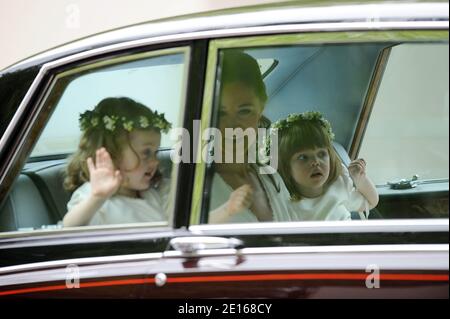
<point x="333" y="79"/>
<point x="39" y="190"/>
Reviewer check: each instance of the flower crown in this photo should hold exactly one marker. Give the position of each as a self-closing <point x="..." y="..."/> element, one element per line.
<point x="294" y="119"/>
<point x="90" y="119"/>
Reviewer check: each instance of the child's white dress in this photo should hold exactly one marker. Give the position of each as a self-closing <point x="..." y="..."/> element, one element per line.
<point x="273" y="185"/>
<point x="119" y="209"/>
<point x="337" y="203"/>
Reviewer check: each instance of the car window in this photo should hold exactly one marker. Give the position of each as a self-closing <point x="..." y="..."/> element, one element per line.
<point x="411" y="111"/>
<point x="319" y="101"/>
<point x="124" y="106"/>
<point x="155" y="81"/>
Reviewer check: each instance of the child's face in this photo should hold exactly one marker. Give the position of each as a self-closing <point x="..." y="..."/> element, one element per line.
<point x="138" y="172"/>
<point x="310" y="169"/>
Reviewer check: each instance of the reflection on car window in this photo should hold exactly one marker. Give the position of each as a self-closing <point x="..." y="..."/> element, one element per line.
<point x="315" y="100"/>
<point x="104" y="155"/>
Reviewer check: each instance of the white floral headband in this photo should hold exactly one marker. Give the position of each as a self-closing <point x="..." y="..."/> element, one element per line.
<point x="293" y="119"/>
<point x="91" y="119"/>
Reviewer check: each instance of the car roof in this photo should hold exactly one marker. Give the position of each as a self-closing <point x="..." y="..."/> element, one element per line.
<point x="253" y="16"/>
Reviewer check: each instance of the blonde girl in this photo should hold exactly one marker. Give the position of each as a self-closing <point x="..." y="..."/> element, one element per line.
<point x="114" y="173"/>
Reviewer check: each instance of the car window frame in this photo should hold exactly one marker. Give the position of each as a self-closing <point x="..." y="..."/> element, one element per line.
<point x="398" y="33"/>
<point x="315" y="25"/>
<point x="36" y="102"/>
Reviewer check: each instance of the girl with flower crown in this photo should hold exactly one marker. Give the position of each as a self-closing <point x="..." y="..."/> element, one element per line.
<point x="321" y="187"/>
<point x="114" y="173"/>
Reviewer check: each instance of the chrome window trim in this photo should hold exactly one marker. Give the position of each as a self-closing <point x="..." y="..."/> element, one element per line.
<point x="243" y="17"/>
<point x="50" y="238"/>
<point x="325" y="227"/>
<point x="80" y="235"/>
<point x="369" y="249"/>
<point x="326" y="249"/>
<point x="385" y="257"/>
<point x="185" y="50"/>
<point x="252" y="31"/>
<point x="315" y="249"/>
<point x="80" y="262"/>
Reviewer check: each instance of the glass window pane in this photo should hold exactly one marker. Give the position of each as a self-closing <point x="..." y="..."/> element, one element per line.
<point x="156" y="82"/>
<point x="247" y="190"/>
<point x="104" y="155"/>
<point x="311" y="89"/>
<point x="408" y="130"/>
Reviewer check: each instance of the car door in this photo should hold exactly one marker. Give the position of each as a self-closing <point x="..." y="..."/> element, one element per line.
<point x="342" y="63"/>
<point x="338" y="72"/>
<point x="39" y="257"/>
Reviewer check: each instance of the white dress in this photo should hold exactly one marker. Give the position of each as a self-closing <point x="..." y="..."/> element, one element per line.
<point x="273" y="185"/>
<point x="340" y="199"/>
<point x="119" y="209"/>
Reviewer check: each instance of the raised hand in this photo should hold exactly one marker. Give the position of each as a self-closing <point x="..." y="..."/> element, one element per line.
<point x="357" y="170"/>
<point x="104" y="178"/>
<point x="240" y="199"/>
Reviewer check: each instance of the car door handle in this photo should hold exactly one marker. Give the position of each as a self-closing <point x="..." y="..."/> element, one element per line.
<point x="196" y="243"/>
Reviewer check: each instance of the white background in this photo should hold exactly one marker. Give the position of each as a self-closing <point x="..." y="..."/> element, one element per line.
<point x="28" y="27"/>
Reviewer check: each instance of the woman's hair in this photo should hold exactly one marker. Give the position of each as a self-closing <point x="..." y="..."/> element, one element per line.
<point x="303" y="135"/>
<point x="239" y="67"/>
<point x="114" y="139"/>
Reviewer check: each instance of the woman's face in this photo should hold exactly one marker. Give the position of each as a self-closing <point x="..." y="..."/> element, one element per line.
<point x="139" y="166"/>
<point x="239" y="108"/>
<point x="310" y="170"/>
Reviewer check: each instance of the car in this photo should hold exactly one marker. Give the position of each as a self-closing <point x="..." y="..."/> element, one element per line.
<point x="379" y="74"/>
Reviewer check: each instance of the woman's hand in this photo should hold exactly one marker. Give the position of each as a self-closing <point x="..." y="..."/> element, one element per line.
<point x="241" y="199"/>
<point x="104" y="178"/>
